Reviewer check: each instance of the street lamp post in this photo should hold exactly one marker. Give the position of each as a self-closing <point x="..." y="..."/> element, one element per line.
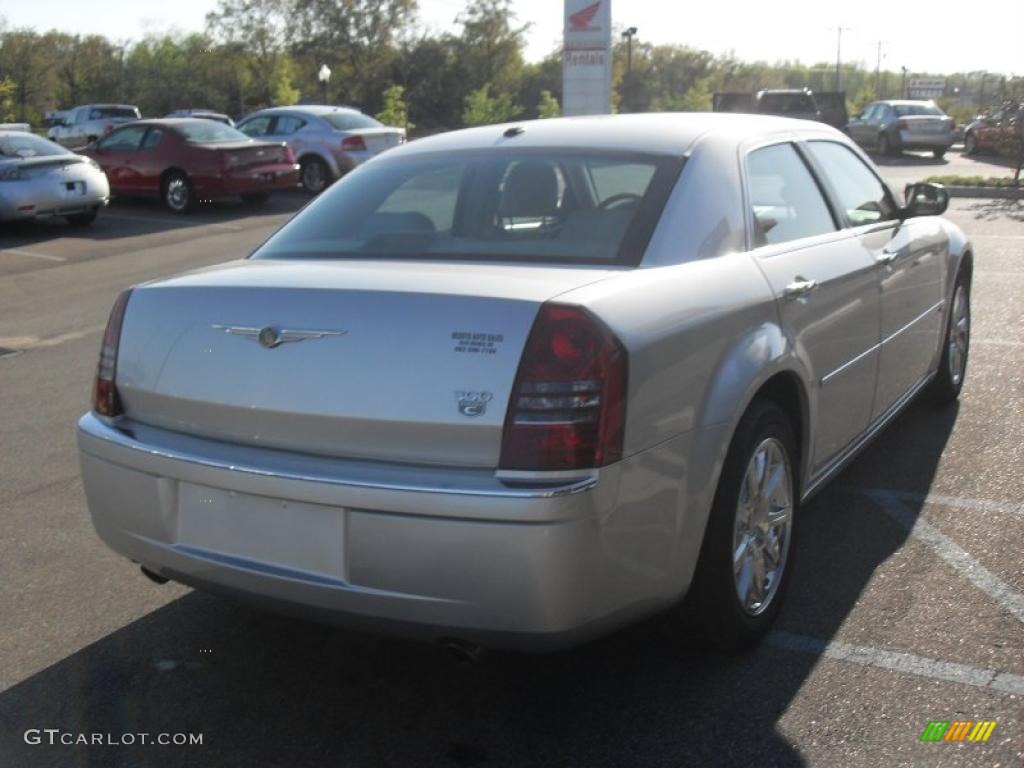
<point x="629" y="34"/>
<point x="324" y="75"/>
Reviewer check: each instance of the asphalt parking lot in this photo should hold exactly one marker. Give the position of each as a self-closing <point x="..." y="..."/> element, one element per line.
<point x="907" y="604"/>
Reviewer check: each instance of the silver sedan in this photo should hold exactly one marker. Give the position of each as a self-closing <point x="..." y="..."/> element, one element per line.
<point x="40" y="178"/>
<point x="519" y="385"/>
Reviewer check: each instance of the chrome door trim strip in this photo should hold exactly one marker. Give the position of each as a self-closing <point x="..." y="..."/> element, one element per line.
<point x="938" y="306"/>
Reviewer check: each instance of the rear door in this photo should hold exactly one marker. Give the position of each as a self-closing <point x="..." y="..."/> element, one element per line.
<point x="907" y="257"/>
<point x="147" y="163"/>
<point x="827" y="289"/>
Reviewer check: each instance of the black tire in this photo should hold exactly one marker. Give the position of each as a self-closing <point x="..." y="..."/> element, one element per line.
<point x="713" y="602"/>
<point x="946" y="386"/>
<point x="255" y="198"/>
<point x="938" y="154"/>
<point x="314" y="175"/>
<point x="177" y="192"/>
<point x="884" y="146"/>
<point x="970" y="144"/>
<point x="82" y="219"/>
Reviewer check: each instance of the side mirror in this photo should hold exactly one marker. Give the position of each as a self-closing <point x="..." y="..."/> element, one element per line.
<point x="925" y="199"/>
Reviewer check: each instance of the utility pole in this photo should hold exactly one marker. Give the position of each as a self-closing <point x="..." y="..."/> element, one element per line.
<point x="878" y="70"/>
<point x="903" y="85"/>
<point x="629" y="34"/>
<point x="839" y="59"/>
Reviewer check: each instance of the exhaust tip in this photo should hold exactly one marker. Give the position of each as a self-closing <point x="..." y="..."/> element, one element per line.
<point x="156" y="578"/>
<point x="463" y="652"/>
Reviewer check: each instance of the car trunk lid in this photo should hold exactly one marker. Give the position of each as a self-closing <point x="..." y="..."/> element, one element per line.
<point x="393" y="361"/>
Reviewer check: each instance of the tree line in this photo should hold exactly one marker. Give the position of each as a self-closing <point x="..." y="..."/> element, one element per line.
<point x="256" y="53"/>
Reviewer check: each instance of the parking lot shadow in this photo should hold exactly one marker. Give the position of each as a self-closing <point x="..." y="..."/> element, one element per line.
<point x="987" y="209"/>
<point x="269" y="691"/>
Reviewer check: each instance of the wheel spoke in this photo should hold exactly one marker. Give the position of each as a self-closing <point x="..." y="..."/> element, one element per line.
<point x="741" y="553"/>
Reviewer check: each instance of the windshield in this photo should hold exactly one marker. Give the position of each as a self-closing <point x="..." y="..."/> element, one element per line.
<point x="105" y="113"/>
<point x="202" y="131"/>
<point x="575" y="207"/>
<point x="27" y="145"/>
<point x="787" y="102"/>
<point x="349" y="121"/>
<point x="907" y="110"/>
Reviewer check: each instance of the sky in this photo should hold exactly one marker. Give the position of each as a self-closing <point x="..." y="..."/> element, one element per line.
<point x="922" y="37"/>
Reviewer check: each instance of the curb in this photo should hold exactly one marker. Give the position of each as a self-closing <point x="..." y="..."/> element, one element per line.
<point x="997" y="193"/>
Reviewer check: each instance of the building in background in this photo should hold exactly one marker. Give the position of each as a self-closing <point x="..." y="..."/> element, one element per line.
<point x="587" y="58"/>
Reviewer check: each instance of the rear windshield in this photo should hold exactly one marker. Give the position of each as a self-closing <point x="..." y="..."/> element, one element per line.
<point x="27" y="145"/>
<point x="209" y="132"/>
<point x="106" y="113"/>
<point x="784" y="103"/>
<point x="349" y="121"/>
<point x="486" y="205"/>
<point x="905" y="110"/>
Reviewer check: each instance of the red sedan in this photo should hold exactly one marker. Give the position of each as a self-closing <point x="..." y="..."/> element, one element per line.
<point x="191" y="160"/>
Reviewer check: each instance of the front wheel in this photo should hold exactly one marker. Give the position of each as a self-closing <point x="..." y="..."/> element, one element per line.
<point x="884" y="147"/>
<point x="938" y="154"/>
<point x="747" y="554"/>
<point x="970" y="144"/>
<point x="949" y="380"/>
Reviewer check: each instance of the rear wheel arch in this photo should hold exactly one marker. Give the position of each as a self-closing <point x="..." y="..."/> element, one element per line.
<point x="787" y="391"/>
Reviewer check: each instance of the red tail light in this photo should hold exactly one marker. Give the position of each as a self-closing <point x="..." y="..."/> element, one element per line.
<point x="568" y="405"/>
<point x="902" y="125"/>
<point x="289" y="156"/>
<point x="353" y="144"/>
<point x="105" y="400"/>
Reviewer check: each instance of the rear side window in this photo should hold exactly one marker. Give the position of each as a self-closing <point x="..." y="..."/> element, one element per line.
<point x="153" y="138"/>
<point x="786" y="201"/>
<point x="258" y="126"/>
<point x="349" y="121"/>
<point x="107" y="113"/>
<point x="287" y="124"/>
<point x="487" y="205"/>
<point x="862" y="196"/>
<point x="909" y="110"/>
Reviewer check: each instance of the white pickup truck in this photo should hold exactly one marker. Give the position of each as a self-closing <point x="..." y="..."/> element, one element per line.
<point x="85" y="124"/>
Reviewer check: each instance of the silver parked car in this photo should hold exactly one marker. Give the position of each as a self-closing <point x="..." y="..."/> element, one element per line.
<point x="39" y="178"/>
<point x="889" y="127"/>
<point x="327" y="141"/>
<point x="518" y="385"/>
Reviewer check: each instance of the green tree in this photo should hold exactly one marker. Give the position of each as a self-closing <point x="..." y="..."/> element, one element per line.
<point x="483" y="109"/>
<point x="6" y="100"/>
<point x="548" y="106"/>
<point x="394" y="112"/>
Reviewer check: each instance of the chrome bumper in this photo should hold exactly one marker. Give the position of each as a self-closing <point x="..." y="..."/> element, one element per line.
<point x="432" y="552"/>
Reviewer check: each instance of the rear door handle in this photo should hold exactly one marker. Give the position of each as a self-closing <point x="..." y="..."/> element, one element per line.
<point x="885" y="258"/>
<point x="799" y="288"/>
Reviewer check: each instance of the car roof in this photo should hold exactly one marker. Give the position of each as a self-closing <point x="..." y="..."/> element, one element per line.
<point x="658" y="133"/>
<point x="308" y="109"/>
<point x="101" y="106"/>
<point x="905" y="102"/>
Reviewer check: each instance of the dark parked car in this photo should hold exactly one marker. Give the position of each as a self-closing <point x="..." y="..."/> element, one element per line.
<point x="995" y="132"/>
<point x="189" y="159"/>
<point x="889" y="127"/>
<point x="206" y="114"/>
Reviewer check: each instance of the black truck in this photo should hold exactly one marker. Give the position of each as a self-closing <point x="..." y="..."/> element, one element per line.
<point x="826" y="106"/>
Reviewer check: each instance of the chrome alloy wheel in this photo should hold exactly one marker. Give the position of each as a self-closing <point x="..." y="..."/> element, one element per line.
<point x="959" y="335"/>
<point x="762" y="527"/>
<point x="177" y="193"/>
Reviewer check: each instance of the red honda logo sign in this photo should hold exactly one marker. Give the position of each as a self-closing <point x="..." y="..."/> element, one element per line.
<point x="581" y="20"/>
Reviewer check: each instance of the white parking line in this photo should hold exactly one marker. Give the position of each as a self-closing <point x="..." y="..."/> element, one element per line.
<point x="998" y="342"/>
<point x="20" y="252"/>
<point x="1003" y="594"/>
<point x="900" y="662"/>
<point x="975" y="505"/>
<point x="997" y="237"/>
<point x="22" y="343"/>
